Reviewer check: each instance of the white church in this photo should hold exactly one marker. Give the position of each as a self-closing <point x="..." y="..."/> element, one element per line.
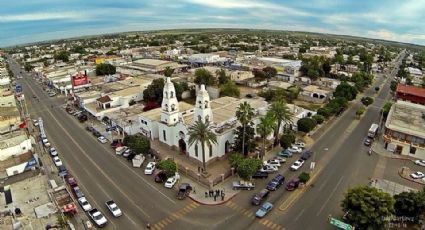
<point x="170" y="123"/>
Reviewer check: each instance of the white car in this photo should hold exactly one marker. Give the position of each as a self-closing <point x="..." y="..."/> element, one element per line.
<point x="84" y="204"/>
<point x="57" y="161"/>
<point x="299" y="144"/>
<point x="269" y="169"/>
<point x="46" y="142"/>
<point x="272" y="162"/>
<point x="35" y="122"/>
<point x="102" y="139"/>
<point x="295" y="149"/>
<point x="420" y="162"/>
<point x="281" y="160"/>
<point x="297" y="164"/>
<point x="113" y="208"/>
<point x="98" y="218"/>
<point x="53" y="152"/>
<point x="150" y="168"/>
<point x="170" y="182"/>
<point x="417" y="175"/>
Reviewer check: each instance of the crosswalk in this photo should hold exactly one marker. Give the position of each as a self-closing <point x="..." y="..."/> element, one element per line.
<point x="249" y="214"/>
<point x="175" y="216"/>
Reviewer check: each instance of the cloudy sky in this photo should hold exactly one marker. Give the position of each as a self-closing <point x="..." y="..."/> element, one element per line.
<point x="37" y="20"/>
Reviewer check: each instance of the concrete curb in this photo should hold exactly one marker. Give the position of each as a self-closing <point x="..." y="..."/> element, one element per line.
<point x="408" y="178"/>
<point x="212" y="203"/>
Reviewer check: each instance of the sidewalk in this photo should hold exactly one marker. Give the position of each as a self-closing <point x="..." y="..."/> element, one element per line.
<point x="202" y="194"/>
<point x="378" y="148"/>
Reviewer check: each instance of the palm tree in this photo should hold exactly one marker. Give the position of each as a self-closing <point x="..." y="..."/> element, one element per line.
<point x="201" y="132"/>
<point x="281" y="114"/>
<point x="264" y="128"/>
<point x="168" y="71"/>
<point x="245" y="113"/>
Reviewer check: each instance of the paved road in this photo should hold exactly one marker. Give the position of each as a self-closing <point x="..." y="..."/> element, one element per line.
<point x="104" y="175"/>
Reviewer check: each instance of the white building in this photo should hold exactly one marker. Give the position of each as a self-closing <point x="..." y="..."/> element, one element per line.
<point x="204" y="58"/>
<point x="170" y="123"/>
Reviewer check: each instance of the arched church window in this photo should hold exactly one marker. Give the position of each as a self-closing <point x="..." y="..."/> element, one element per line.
<point x="173" y="107"/>
<point x="171" y="94"/>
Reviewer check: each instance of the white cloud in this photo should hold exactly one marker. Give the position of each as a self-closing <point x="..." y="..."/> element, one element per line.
<point x="232" y="4"/>
<point x="41" y="16"/>
<point x="388" y="35"/>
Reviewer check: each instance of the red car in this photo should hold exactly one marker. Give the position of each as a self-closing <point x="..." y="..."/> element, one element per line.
<point x="292" y="184"/>
<point x="71" y="181"/>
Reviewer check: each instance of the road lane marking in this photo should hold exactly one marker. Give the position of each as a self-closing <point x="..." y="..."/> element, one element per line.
<point x="108" y="150"/>
<point x="160" y="225"/>
<point x="299" y="215"/>
<point x="91" y="160"/>
<point x="330" y="195"/>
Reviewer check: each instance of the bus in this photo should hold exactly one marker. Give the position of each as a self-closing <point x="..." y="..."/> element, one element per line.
<point x="373" y="130"/>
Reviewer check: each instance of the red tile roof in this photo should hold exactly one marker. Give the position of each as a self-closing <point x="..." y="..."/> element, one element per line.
<point x="412" y="90"/>
<point x="104" y="99"/>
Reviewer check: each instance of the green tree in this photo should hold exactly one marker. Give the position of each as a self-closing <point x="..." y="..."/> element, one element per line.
<point x="247" y="167"/>
<point x="204" y="77"/>
<point x="360" y="111"/>
<point x="245" y="114"/>
<point x="269" y="72"/>
<point x="345" y="90"/>
<point x="366" y="101"/>
<point x="318" y="118"/>
<point x="259" y="75"/>
<point x="169" y="166"/>
<point x="386" y="109"/>
<point x="367" y="207"/>
<point x="222" y="77"/>
<point x="410" y="204"/>
<point x="304" y="177"/>
<point x="28" y="67"/>
<point x="393" y="85"/>
<point x="105" y="69"/>
<point x="154" y="91"/>
<point x="168" y="71"/>
<point x="180" y="87"/>
<point x="61" y="220"/>
<point x="245" y="139"/>
<point x="286" y="140"/>
<point x="264" y="128"/>
<point x="234" y="159"/>
<point x="138" y="143"/>
<point x="62" y="56"/>
<point x="281" y="114"/>
<point x="306" y="124"/>
<point x="230" y="89"/>
<point x="201" y="132"/>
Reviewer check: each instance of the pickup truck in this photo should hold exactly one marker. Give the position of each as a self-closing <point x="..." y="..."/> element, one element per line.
<point x="98" y="218"/>
<point x="138" y="160"/>
<point x="243" y="185"/>
<point x="113" y="208"/>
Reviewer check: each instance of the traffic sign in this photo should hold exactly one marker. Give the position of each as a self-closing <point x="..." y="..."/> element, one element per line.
<point x="340" y="224"/>
<point x="18" y="88"/>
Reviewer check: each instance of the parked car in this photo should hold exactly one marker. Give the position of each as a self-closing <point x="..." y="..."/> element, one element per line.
<point x="71" y="181"/>
<point x="35" y="122"/>
<point x="120" y="150"/>
<point x="113" y="208"/>
<point x="417" y="175"/>
<point x="297" y="164"/>
<point x="306" y="154"/>
<point x="150" y="168"/>
<point x="77" y="192"/>
<point x="127" y="152"/>
<point x="281" y="160"/>
<point x="272" y="163"/>
<point x="116" y="143"/>
<point x="368" y="141"/>
<point x="102" y="139"/>
<point x="131" y="156"/>
<point x="292" y="184"/>
<point x="98" y="218"/>
<point x="264" y="209"/>
<point x="160" y="176"/>
<point x="53" y="152"/>
<point x="269" y="169"/>
<point x="96" y="133"/>
<point x="85" y="205"/>
<point x="299" y="144"/>
<point x="184" y="191"/>
<point x="243" y="185"/>
<point x="171" y="181"/>
<point x="89" y="128"/>
<point x="57" y="161"/>
<point x="256" y="200"/>
<point x="285" y="153"/>
<point x="276" y="182"/>
<point x="294" y="149"/>
<point x="62" y="171"/>
<point x="46" y="142"/>
<point x="82" y="118"/>
<point x="260" y="175"/>
<point x="420" y="162"/>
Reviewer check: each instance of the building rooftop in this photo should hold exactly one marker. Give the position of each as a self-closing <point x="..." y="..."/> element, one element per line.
<point x="407" y="117"/>
<point x="104" y="99"/>
<point x="153" y="62"/>
<point x="12" y="139"/>
<point x="412" y="90"/>
<point x="128" y="91"/>
<point x="155" y="114"/>
<point x="8" y="112"/>
<point x="279" y="84"/>
<point x="126" y="114"/>
<point x="315" y="88"/>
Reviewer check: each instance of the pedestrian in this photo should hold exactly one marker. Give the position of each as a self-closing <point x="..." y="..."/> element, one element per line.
<point x="222" y="196"/>
<point x="148" y="226"/>
<point x="215" y="198"/>
<point x="199" y="169"/>
<point x="194" y="190"/>
<point x="222" y="192"/>
<point x="210" y="193"/>
<point x="206" y="194"/>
